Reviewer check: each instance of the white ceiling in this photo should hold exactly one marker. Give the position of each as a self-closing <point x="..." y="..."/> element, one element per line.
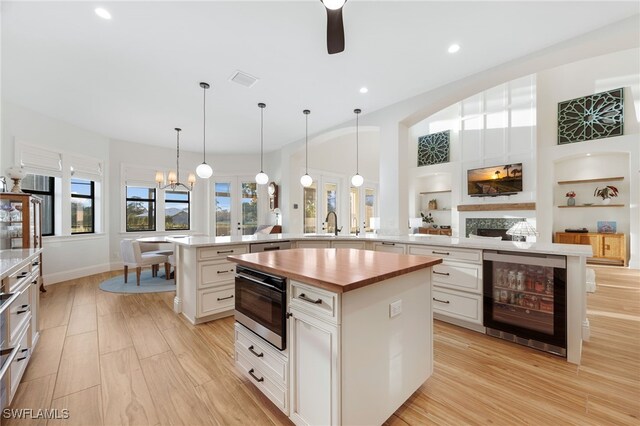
<point x="136" y="76"/>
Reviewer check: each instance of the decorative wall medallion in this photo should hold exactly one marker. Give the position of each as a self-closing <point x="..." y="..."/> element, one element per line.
<point x="433" y="148"/>
<point x="591" y="117"/>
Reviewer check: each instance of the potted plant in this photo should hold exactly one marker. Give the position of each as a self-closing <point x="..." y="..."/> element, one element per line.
<point x="606" y="193"/>
<point x="571" y="198"/>
<point x="428" y="219"/>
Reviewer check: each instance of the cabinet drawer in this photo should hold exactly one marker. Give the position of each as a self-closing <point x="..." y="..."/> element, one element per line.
<point x="464" y="306"/>
<point x="320" y="303"/>
<point x="348" y="244"/>
<point x="262" y="354"/>
<point x="458" y="276"/>
<point x="464" y="255"/>
<point x="221" y="252"/>
<point x="389" y="247"/>
<point x="19" y="363"/>
<point x="19" y="277"/>
<point x="276" y="393"/>
<point x="216" y="299"/>
<point x="313" y="244"/>
<point x="19" y="313"/>
<point x="214" y="273"/>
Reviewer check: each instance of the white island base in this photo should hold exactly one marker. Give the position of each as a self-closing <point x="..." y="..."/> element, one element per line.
<point x="353" y="359"/>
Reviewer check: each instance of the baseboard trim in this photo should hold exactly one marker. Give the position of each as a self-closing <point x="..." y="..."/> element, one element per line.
<point x="73" y="274"/>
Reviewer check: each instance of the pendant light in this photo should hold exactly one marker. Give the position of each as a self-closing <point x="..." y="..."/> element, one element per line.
<point x="204" y="170"/>
<point x="357" y="180"/>
<point x="174" y="177"/>
<point x="306" y="180"/>
<point x="261" y="178"/>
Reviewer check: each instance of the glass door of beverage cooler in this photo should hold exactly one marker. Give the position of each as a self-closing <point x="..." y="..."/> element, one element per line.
<point x="525" y="299"/>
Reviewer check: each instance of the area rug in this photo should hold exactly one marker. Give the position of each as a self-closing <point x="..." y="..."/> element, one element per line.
<point x="148" y="284"/>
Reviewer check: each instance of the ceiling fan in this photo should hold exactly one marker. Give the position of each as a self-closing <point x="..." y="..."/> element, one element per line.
<point x="335" y="27"/>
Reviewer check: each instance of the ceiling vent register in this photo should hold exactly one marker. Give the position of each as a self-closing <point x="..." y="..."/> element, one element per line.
<point x="243" y="79"/>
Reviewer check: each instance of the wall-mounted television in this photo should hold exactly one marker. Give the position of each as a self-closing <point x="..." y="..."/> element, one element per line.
<point x="493" y="181"/>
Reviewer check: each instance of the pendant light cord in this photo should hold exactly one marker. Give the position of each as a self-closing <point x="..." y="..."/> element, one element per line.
<point x="261" y="136"/>
<point x="306" y="143"/>
<point x="178" y="155"/>
<point x="357" y="143"/>
<point x="204" y="124"/>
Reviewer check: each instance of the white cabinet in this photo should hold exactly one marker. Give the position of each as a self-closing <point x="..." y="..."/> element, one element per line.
<point x="457" y="285"/>
<point x="360" y="245"/>
<point x="313" y="244"/>
<point x="315" y="381"/>
<point x="390" y="247"/>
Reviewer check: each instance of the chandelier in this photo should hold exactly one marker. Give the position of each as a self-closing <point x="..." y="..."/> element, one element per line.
<point x="173" y="178"/>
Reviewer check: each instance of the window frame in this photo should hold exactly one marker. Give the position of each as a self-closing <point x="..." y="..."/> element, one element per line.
<point x="91" y="197"/>
<point x="148" y="200"/>
<point x="52" y="194"/>
<point x="187" y="202"/>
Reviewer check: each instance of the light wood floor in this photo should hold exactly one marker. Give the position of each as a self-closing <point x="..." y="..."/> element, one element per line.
<point x="127" y="359"/>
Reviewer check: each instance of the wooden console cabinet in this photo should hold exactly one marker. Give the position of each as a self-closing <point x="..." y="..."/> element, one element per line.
<point x="610" y="249"/>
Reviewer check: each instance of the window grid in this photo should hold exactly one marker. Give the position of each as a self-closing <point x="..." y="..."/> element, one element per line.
<point x="135" y="210"/>
<point x="179" y="200"/>
<point x="47" y="219"/>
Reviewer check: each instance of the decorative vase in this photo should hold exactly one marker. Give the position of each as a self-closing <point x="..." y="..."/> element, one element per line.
<point x="606" y="201"/>
<point x="571" y="201"/>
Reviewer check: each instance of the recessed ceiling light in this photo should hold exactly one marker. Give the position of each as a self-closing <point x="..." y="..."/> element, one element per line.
<point x="363" y="90"/>
<point x="453" y="48"/>
<point x="588" y="155"/>
<point x="103" y="13"/>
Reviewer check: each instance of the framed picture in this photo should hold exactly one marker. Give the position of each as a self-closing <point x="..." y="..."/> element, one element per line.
<point x="607" y="227"/>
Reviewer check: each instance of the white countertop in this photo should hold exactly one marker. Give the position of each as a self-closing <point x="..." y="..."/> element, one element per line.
<point x="12" y="260"/>
<point x="419" y="239"/>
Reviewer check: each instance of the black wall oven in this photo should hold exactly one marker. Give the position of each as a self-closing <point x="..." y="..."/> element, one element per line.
<point x="261" y="304"/>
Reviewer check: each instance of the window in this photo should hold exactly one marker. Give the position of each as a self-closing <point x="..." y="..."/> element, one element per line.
<point x="309" y="200"/>
<point x="82" y="206"/>
<point x="42" y="187"/>
<point x="176" y="210"/>
<point x="141" y="209"/>
<point x="249" y="217"/>
<point x="223" y="209"/>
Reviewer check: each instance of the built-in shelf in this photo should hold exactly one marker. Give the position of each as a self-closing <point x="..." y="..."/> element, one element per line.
<point x="435" y="192"/>
<point x="593" y="205"/>
<point x="606" y="179"/>
<point x="496" y="207"/>
<point x="438" y="210"/>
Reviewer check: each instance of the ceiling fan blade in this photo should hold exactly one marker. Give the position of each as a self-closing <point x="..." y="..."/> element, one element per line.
<point x="335" y="31"/>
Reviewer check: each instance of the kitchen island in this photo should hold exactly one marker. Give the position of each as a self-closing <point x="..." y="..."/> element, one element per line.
<point x="358" y="332"/>
<point x="205" y="278"/>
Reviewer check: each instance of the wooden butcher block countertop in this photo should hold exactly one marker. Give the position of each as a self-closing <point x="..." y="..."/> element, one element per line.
<point x="337" y="270"/>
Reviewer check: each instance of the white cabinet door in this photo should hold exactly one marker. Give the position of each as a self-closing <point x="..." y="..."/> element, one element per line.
<point x="315" y="391"/>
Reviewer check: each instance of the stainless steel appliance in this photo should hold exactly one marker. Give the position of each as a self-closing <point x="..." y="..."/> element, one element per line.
<point x="525" y="299"/>
<point x="261" y="304"/>
<point x="270" y="246"/>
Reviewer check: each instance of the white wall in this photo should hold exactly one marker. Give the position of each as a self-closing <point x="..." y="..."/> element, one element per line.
<point x="67" y="256"/>
<point x="617" y="156"/>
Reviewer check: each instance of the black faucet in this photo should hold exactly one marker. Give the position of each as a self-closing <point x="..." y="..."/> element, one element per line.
<point x="335" y="217"/>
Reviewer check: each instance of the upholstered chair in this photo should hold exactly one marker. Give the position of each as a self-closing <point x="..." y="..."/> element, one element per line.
<point x="133" y="257"/>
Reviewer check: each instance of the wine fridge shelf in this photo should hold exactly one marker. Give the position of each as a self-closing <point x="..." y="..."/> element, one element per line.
<point x="533" y="293"/>
<point x="524" y="308"/>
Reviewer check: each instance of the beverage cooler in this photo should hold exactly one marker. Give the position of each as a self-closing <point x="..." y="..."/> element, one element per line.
<point x="525" y="299"/>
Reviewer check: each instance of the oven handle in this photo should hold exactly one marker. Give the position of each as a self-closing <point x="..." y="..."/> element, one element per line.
<point x="9" y="360"/>
<point x="9" y="301"/>
<point x="262" y="283"/>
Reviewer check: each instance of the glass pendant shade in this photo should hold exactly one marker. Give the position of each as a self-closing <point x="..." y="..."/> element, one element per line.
<point x="306" y="181"/>
<point x="204" y="171"/>
<point x="333" y="4"/>
<point x="262" y="178"/>
<point x="357" y="180"/>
